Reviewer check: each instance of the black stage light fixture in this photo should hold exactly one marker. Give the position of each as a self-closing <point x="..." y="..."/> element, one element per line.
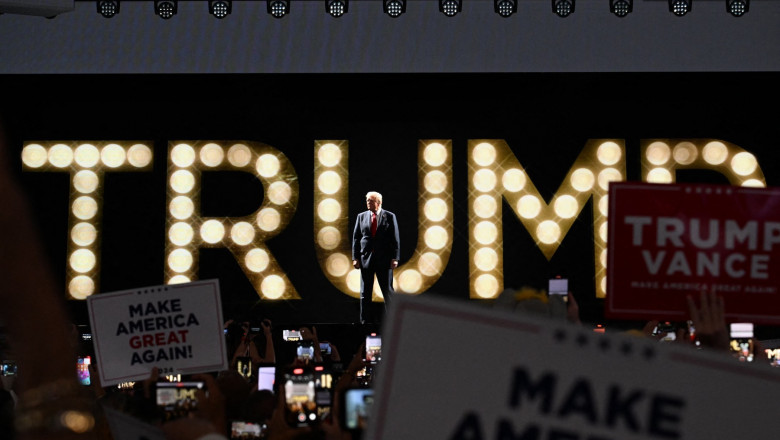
<point x="621" y="8"/>
<point x="563" y="8"/>
<point x="680" y="7"/>
<point x="108" y="8"/>
<point x="166" y="8"/>
<point x="220" y="8"/>
<point x="737" y="8"/>
<point x="505" y="8"/>
<point x="336" y="8"/>
<point x="394" y="8"/>
<point x="278" y="8"/>
<point x="450" y="7"/>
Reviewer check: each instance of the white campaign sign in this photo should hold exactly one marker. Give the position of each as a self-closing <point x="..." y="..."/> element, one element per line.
<point x="459" y="371"/>
<point x="177" y="328"/>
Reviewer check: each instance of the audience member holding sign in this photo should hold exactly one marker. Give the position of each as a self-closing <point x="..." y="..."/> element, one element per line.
<point x="52" y="404"/>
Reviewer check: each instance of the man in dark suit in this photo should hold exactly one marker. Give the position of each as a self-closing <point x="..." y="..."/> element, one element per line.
<point x="375" y="251"/>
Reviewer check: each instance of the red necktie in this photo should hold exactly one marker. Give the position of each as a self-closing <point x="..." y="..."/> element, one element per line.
<point x="373" y="224"/>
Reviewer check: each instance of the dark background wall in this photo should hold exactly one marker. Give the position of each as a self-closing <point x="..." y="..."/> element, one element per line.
<point x="545" y="118"/>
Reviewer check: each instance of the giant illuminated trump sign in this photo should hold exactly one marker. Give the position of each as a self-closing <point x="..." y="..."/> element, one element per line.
<point x="494" y="175"/>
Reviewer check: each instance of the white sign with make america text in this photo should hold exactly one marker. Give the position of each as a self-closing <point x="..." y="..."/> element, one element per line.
<point x="459" y="371"/>
<point x="177" y="328"/>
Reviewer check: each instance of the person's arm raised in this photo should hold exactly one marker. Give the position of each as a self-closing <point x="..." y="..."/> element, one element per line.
<point x="709" y="321"/>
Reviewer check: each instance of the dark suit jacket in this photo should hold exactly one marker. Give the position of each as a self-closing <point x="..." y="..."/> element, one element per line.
<point x="380" y="249"/>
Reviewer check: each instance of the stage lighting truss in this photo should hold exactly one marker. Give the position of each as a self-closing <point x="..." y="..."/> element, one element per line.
<point x="336" y="8"/>
<point x="278" y="8"/>
<point x="680" y="7"/>
<point x="563" y="8"/>
<point x="166" y="8"/>
<point x="737" y="8"/>
<point x="108" y="8"/>
<point x="450" y="8"/>
<point x="394" y="8"/>
<point x="621" y="8"/>
<point x="505" y="8"/>
<point x="220" y="8"/>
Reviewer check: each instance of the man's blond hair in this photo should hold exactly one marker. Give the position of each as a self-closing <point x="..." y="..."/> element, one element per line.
<point x="374" y="194"/>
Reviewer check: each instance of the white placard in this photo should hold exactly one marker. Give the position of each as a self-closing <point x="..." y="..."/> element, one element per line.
<point x="177" y="328"/>
<point x="457" y="371"/>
